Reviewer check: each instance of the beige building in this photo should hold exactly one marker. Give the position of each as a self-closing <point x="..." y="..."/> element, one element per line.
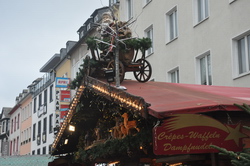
<point x="26" y="124"/>
<point x="194" y="41"/>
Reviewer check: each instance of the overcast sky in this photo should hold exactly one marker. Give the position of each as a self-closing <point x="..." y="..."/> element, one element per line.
<point x="31" y="32"/>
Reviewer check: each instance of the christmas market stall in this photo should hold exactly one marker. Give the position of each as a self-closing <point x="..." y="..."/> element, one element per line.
<point x="152" y="123"/>
<point x="104" y="125"/>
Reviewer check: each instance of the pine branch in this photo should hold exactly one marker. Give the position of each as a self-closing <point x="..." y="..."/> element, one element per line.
<point x="244" y="107"/>
<point x="246" y="127"/>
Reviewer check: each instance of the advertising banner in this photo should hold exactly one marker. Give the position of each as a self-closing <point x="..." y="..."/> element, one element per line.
<point x="62" y="82"/>
<point x="194" y="133"/>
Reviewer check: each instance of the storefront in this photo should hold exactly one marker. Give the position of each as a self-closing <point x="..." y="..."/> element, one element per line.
<point x="141" y="125"/>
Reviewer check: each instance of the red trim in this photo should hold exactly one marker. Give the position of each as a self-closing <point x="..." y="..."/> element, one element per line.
<point x="15" y="108"/>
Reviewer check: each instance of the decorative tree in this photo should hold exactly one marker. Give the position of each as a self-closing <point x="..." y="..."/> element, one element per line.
<point x="238" y="158"/>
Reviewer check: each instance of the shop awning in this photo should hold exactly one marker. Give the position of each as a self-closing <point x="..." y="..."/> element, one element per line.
<point x="160" y="99"/>
<point x="171" y="98"/>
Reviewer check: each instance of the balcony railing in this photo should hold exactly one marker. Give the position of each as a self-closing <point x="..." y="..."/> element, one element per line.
<point x="46" y="80"/>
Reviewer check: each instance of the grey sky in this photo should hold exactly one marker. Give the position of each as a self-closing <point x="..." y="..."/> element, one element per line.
<point x="31" y="32"/>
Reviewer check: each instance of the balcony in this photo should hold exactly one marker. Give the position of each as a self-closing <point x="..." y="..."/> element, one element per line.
<point x="46" y="80"/>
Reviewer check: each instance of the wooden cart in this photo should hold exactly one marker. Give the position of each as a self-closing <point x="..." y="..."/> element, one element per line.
<point x="128" y="62"/>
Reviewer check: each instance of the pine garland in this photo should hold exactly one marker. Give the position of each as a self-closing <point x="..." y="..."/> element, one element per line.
<point x="128" y="147"/>
<point x="237" y="158"/>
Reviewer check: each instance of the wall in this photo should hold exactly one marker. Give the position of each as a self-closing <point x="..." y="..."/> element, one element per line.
<point x="214" y="34"/>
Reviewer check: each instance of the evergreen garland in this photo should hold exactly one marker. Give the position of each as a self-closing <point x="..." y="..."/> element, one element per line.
<point x="94" y="111"/>
<point x="128" y="147"/>
<point x="237" y="158"/>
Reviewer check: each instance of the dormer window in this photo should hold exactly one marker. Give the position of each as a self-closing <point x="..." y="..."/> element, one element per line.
<point x="3" y="127"/>
<point x="81" y="34"/>
<point x="88" y="27"/>
<point x="96" y="18"/>
<point x="114" y="2"/>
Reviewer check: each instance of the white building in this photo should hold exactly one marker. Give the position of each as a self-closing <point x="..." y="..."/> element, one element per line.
<point x="43" y="108"/>
<point x="194" y="41"/>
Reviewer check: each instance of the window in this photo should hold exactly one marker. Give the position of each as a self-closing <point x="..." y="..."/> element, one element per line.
<point x="7" y="125"/>
<point x="11" y="144"/>
<point x="34" y="131"/>
<point x="39" y="133"/>
<point x="51" y="93"/>
<point x="14" y="146"/>
<point x="244" y="54"/>
<point x="149" y="34"/>
<point x="129" y="9"/>
<point x="96" y="18"/>
<point x="44" y="150"/>
<point x="44" y="129"/>
<point x="45" y="97"/>
<point x="38" y="151"/>
<point x="88" y="26"/>
<point x="45" y="102"/>
<point x="17" y="144"/>
<point x="33" y="152"/>
<point x="3" y="127"/>
<point x="201" y="10"/>
<point x="171" y="18"/>
<point x="15" y="124"/>
<point x="24" y="135"/>
<point x="50" y="123"/>
<point x="29" y="134"/>
<point x="34" y="111"/>
<point x="174" y="75"/>
<point x="18" y="119"/>
<point x="12" y="125"/>
<point x="204" y="69"/>
<point x="39" y="101"/>
<point x="30" y="109"/>
<point x="39" y="128"/>
<point x="241" y="55"/>
<point x="112" y="2"/>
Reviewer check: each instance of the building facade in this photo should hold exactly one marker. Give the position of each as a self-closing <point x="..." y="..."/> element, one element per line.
<point x="26" y="123"/>
<point x="15" y="125"/>
<point x="4" y="131"/>
<point x="196" y="41"/>
<point x="43" y="106"/>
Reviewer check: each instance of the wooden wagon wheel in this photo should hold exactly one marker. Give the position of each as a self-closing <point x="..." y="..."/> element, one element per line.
<point x="111" y="64"/>
<point x="145" y="71"/>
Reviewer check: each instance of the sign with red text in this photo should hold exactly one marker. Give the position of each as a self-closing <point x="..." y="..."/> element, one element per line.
<point x="194" y="133"/>
<point x="62" y="82"/>
<point x="64" y="104"/>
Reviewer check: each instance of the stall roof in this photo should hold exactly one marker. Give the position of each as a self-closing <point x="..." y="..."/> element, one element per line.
<point x="26" y="160"/>
<point x="172" y="98"/>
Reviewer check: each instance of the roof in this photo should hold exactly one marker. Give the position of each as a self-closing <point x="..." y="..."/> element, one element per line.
<point x="14" y="108"/>
<point x="160" y="99"/>
<point x="172" y="98"/>
<point x="5" y="112"/>
<point x="52" y="62"/>
<point x="26" y="160"/>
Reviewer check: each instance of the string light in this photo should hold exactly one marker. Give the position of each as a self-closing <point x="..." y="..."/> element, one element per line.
<point x="130" y="102"/>
<point x="69" y="115"/>
<point x="119" y="96"/>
